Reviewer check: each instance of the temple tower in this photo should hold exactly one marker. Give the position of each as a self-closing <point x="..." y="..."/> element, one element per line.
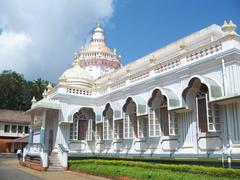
<point x="97" y="58"/>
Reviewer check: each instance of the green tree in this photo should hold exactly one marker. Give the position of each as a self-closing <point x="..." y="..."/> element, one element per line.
<point x="16" y="93"/>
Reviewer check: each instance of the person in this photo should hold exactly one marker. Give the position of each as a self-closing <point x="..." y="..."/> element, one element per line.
<point x="19" y="154"/>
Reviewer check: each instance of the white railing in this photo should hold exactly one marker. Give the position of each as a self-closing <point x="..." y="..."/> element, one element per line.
<point x="139" y="76"/>
<point x="164" y="65"/>
<point x="118" y="85"/>
<point x="79" y="91"/>
<point x="204" y="52"/>
<point x="63" y="155"/>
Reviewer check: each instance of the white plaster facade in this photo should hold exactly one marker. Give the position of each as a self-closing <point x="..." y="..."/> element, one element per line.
<point x="182" y="100"/>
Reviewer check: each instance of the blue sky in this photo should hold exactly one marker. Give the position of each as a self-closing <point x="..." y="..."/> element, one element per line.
<point x="38" y="38"/>
<point x="139" y="27"/>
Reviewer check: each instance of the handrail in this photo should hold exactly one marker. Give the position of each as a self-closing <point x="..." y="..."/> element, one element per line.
<point x="62" y="148"/>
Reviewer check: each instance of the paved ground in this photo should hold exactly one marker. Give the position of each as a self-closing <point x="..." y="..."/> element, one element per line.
<point x="11" y="170"/>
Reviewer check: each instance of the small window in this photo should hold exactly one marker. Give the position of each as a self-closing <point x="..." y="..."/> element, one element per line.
<point x="71" y="131"/>
<point x="99" y="133"/>
<point x="89" y="133"/>
<point x="20" y="129"/>
<point x="26" y="130"/>
<point x="128" y="127"/>
<point x="202" y="111"/>
<point x="14" y="129"/>
<point x="7" y="128"/>
<point x="151" y="119"/>
<point x="107" y="128"/>
<point x="173" y="124"/>
<point x="213" y="118"/>
<point x="118" y="129"/>
<point x="142" y="126"/>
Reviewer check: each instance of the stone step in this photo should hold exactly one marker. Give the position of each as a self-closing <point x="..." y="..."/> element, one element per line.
<point x="54" y="163"/>
<point x="53" y="156"/>
<point x="55" y="166"/>
<point x="57" y="161"/>
<point x="55" y="169"/>
<point x="54" y="160"/>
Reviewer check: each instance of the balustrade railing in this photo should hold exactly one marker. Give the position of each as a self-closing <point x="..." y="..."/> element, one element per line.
<point x="165" y="65"/>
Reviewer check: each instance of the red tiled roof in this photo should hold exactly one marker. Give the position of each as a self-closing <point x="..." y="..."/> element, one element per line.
<point x="12" y="116"/>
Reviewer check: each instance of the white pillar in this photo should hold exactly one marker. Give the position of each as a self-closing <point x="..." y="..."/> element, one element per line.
<point x="224" y="74"/>
<point x="31" y="127"/>
<point x="42" y="132"/>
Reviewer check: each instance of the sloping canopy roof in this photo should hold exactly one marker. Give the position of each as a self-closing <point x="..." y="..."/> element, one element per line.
<point x="12" y="116"/>
<point x="215" y="89"/>
<point x="45" y="104"/>
<point x="98" y="111"/>
<point x="173" y="100"/>
<point x="141" y="105"/>
<point x="117" y="110"/>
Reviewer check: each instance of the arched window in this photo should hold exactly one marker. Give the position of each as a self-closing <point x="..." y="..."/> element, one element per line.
<point x="202" y="110"/>
<point x="159" y="116"/>
<point x="130" y="129"/>
<point x="108" y="123"/>
<point x="207" y="113"/>
<point x="81" y="128"/>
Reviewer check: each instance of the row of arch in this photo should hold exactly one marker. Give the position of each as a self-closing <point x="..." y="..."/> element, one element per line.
<point x="172" y="100"/>
<point x="137" y="114"/>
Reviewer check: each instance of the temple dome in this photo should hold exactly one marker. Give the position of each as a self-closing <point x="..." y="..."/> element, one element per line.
<point x="98" y="48"/>
<point x="76" y="76"/>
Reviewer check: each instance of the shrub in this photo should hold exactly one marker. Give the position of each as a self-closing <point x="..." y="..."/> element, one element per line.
<point x="220" y="172"/>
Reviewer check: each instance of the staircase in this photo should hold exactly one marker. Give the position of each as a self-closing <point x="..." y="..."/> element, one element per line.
<point x="54" y="162"/>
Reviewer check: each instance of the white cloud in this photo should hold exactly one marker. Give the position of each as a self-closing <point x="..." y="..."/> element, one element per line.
<point x="40" y="37"/>
<point x="13" y="52"/>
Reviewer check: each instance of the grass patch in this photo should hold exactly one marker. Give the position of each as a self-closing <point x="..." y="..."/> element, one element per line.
<point x="146" y="170"/>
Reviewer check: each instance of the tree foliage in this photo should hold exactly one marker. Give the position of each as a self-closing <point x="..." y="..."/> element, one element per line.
<point x="16" y="93"/>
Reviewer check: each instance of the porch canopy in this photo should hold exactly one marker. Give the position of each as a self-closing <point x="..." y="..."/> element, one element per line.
<point x="44" y="104"/>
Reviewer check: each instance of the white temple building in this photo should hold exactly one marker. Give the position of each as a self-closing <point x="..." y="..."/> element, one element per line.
<point x="181" y="101"/>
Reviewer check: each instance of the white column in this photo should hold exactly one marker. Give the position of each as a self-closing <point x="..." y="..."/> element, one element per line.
<point x="42" y="132"/>
<point x="31" y="127"/>
<point x="224" y="74"/>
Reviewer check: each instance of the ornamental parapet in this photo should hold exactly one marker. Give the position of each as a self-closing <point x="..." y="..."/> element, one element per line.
<point x="124" y="76"/>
